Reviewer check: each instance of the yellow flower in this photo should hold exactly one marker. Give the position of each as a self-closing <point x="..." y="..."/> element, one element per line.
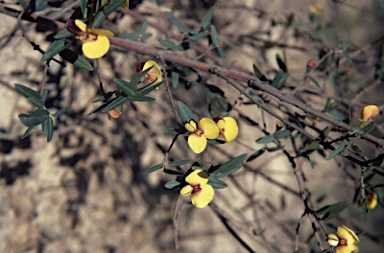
<point x="369" y="112"/>
<point x="202" y="193"/>
<point x="345" y="241"/>
<point x="95" y="41"/>
<point x="125" y="5"/>
<point x="152" y="74"/>
<point x="228" y="128"/>
<point x="206" y="128"/>
<point x="115" y="113"/>
<point x="371" y="200"/>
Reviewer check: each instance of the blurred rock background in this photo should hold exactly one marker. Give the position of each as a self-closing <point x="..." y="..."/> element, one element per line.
<point x="85" y="191"/>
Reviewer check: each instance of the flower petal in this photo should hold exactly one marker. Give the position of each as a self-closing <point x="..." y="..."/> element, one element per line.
<point x="228" y="128"/>
<point x="114" y="114"/>
<point x="348" y="239"/>
<point x="203" y="197"/>
<point x="81" y="25"/>
<point x="333" y="240"/>
<point x="209" y="128"/>
<point x="190" y="126"/>
<point x="154" y="73"/>
<point x="369" y="112"/>
<point x="96" y="47"/>
<point x="186" y="190"/>
<point x="100" y="32"/>
<point x="197" y="142"/>
<point x="125" y="5"/>
<point x="372" y="200"/>
<point x="197" y="177"/>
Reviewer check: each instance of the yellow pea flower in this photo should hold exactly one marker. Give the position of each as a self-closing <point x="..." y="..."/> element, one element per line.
<point x="202" y="193"/>
<point x="152" y="74"/>
<point x="95" y="41"/>
<point x="345" y="241"/>
<point x="369" y="112"/>
<point x="372" y="200"/>
<point x="206" y="128"/>
<point x="228" y="128"/>
<point x="115" y="113"/>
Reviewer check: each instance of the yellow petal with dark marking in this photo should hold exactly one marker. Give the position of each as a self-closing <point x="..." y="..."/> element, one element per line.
<point x="203" y="197"/>
<point x="96" y="47"/>
<point x="209" y="128"/>
<point x="197" y="142"/>
<point x="81" y="25"/>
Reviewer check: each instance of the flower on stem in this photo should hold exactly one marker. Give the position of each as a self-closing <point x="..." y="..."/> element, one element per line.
<point x="202" y="193"/>
<point x="206" y="128"/>
<point x="345" y="241"/>
<point x="369" y="112"/>
<point x="152" y="74"/>
<point x="228" y="128"/>
<point x="371" y="200"/>
<point x="95" y="41"/>
<point x="115" y="113"/>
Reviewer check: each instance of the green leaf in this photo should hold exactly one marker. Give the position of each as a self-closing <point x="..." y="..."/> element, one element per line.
<point x="27" y="132"/>
<point x="178" y="25"/>
<point x="40" y="5"/>
<point x="44" y="95"/>
<point x="167" y="44"/>
<point x="338" y="150"/>
<point x="153" y="168"/>
<point x="36" y="102"/>
<point x="281" y="83"/>
<point x="128" y="36"/>
<point x="277" y="78"/>
<point x="151" y="87"/>
<point x="83" y="7"/>
<point x="50" y="129"/>
<point x="185" y="45"/>
<point x="199" y="36"/>
<point x="259" y="73"/>
<point x="331" y="211"/>
<point x="282" y="134"/>
<point x="171" y="131"/>
<point x="348" y="59"/>
<point x="171" y="184"/>
<point x="265" y="139"/>
<point x="63" y="34"/>
<point x="27" y="92"/>
<point x="315" y="82"/>
<point x="214" y="35"/>
<point x="138" y="77"/>
<point x="256" y="154"/>
<point x="221" y="53"/>
<point x="97" y="109"/>
<point x="275" y="148"/>
<point x="61" y="111"/>
<point x="179" y="162"/>
<point x="207" y="18"/>
<point x="35" y="118"/>
<point x="229" y="167"/>
<point x="215" y="141"/>
<point x="99" y="19"/>
<point x="56" y="47"/>
<point x="224" y="104"/>
<point x="44" y="126"/>
<point x="175" y="79"/>
<point x="281" y="63"/>
<point x="216" y="183"/>
<point x="127" y="87"/>
<point x="143" y="28"/>
<point x="115" y="103"/>
<point x="113" y="6"/>
<point x="185" y="113"/>
<point x="146" y="36"/>
<point x="139" y="98"/>
<point x="23" y="4"/>
<point x="76" y="59"/>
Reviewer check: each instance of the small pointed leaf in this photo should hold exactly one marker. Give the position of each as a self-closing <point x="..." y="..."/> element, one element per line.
<point x="153" y="168"/>
<point x="61" y="111"/>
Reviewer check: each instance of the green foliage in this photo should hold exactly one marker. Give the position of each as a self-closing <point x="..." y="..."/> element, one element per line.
<point x="214" y="36"/>
<point x="207" y="18"/>
<point x="331" y="211"/>
<point x="229" y="167"/>
<point x="40" y="5"/>
<point x="217" y="183"/>
<point x="338" y="150"/>
<point x="35" y="118"/>
<point x="282" y="134"/>
<point x="112" y="6"/>
<point x="63" y="34"/>
<point x="128" y="36"/>
<point x="99" y="19"/>
<point x="61" y="111"/>
<point x="179" y="162"/>
<point x="36" y="102"/>
<point x="56" y="47"/>
<point x="315" y="82"/>
<point x="76" y="59"/>
<point x="171" y="184"/>
<point x="265" y="139"/>
<point x="178" y="25"/>
<point x="167" y="44"/>
<point x="27" y="92"/>
<point x="153" y="168"/>
<point x="185" y="113"/>
<point x="256" y="154"/>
